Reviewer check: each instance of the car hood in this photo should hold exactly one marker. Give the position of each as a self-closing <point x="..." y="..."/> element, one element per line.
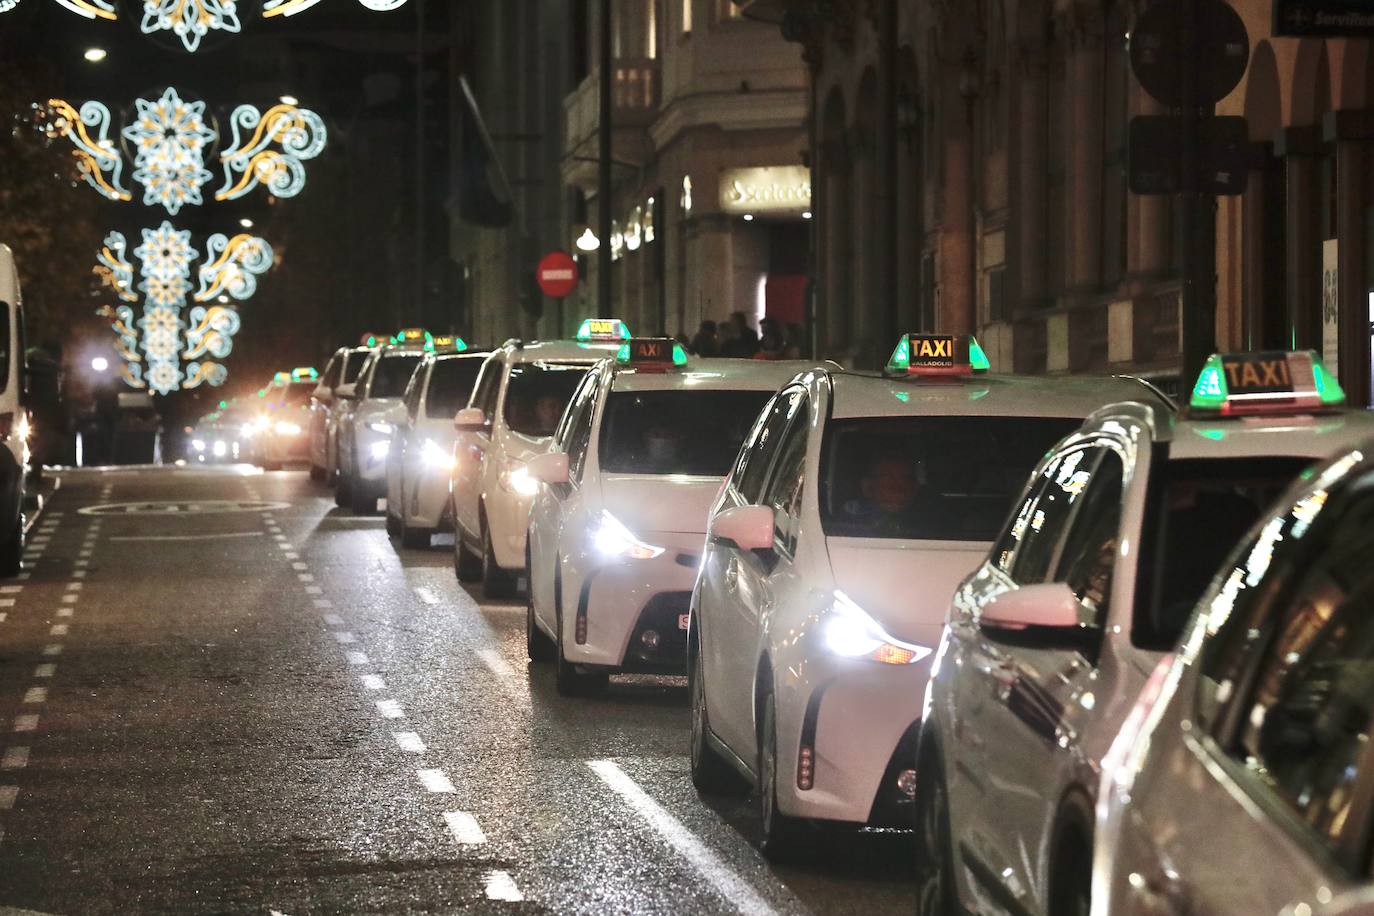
<point x="675" y="503"/>
<point x="904" y="585"/>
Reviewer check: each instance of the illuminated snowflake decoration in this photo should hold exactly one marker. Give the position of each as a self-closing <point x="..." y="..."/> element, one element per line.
<point x="169" y="138"/>
<point x="251" y="159"/>
<point x="166" y="252"/>
<point x="190" y="20"/>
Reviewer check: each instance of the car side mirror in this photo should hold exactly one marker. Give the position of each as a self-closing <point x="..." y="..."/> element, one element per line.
<point x="550" y="467"/>
<point x="323" y="393"/>
<point x="1046" y="615"/>
<point x="347" y="392"/>
<point x="470" y="420"/>
<point x="744" y="527"/>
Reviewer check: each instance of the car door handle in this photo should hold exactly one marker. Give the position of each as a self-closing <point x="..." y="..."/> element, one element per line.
<point x="732" y="575"/>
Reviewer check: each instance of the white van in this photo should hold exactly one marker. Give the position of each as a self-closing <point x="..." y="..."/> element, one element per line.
<point x="14" y="422"/>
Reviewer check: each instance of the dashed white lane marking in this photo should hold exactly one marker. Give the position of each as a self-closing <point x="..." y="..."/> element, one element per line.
<point x="426" y="594"/>
<point x="333" y="620"/>
<point x="727" y="883"/>
<point x="59" y="629"/>
<point x="187" y="537"/>
<point x="11" y="589"/>
<point x="323" y="603"/>
<point x="435" y="781"/>
<point x="74" y="586"/>
<point x="292" y="556"/>
<point x="53" y="649"/>
<point x="78" y="573"/>
<point x="16" y="758"/>
<point x="390" y="709"/>
<point x="8" y="794"/>
<point x="409" y="742"/>
<point x="357" y="658"/>
<point x="23" y="576"/>
<point x="373" y="682"/>
<point x="498" y="665"/>
<point x="305" y="577"/>
<point x="501" y="886"/>
<point x="344" y="636"/>
<point x="464" y="828"/>
<point x="65" y="611"/>
<point x="286" y="547"/>
<point x="3" y="615"/>
<point x="278" y="537"/>
<point x="6" y="602"/>
<point x="45" y="670"/>
<point x="84" y="554"/>
<point x="36" y="695"/>
<point x="300" y="566"/>
<point x="27" y="723"/>
<point x="70" y="599"/>
<point x="313" y="590"/>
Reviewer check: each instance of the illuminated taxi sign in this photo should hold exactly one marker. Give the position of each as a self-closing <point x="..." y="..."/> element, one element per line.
<point x="414" y="337"/>
<point x="281" y="378"/>
<point x="651" y="354"/>
<point x="1270" y="382"/>
<point x="372" y="339"/>
<point x="450" y="343"/>
<point x="593" y="329"/>
<point x="304" y="374"/>
<point x="937" y="354"/>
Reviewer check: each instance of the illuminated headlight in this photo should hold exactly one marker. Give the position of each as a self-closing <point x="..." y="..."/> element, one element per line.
<point x="379" y="450"/>
<point x="517" y="480"/>
<point x="615" y="540"/>
<point x="247" y="430"/>
<point x="287" y="428"/>
<point x="261" y="424"/>
<point x="383" y="429"/>
<point x="434" y="456"/>
<point x="198" y="445"/>
<point x="220" y="448"/>
<point x="850" y="632"/>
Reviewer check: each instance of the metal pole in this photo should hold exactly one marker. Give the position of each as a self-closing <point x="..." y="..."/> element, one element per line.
<point x="603" y="180"/>
<point x="1199" y="306"/>
<point x="419" y="164"/>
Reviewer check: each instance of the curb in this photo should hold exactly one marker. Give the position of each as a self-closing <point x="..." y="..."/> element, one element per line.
<point x="35" y="503"/>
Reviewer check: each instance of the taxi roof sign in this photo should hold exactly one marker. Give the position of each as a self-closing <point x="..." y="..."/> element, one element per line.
<point x="937" y="355"/>
<point x="603" y="329"/>
<point x="651" y="354"/>
<point x="281" y="378"/>
<point x="414" y="337"/>
<point x="450" y="342"/>
<point x="372" y="339"/>
<point x="304" y="373"/>
<point x="1273" y="381"/>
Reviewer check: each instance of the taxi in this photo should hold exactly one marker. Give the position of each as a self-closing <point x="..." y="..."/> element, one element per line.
<point x="515" y="409"/>
<point x="363" y="429"/>
<point x="856" y="505"/>
<point x="615" y="535"/>
<point x="1241" y="780"/>
<point x="342" y="369"/>
<point x="282" y="422"/>
<point x="1091" y="581"/>
<point x="420" y="459"/>
<point x="222" y="435"/>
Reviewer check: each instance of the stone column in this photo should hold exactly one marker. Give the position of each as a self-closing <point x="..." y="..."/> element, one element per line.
<point x="1299" y="148"/>
<point x="1083" y="258"/>
<point x="1029" y="64"/>
<point x="1351" y="131"/>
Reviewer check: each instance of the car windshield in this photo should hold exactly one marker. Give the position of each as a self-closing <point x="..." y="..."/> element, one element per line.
<point x="450" y="385"/>
<point x="297" y="393"/>
<point x="676" y="432"/>
<point x="536" y="395"/>
<point x="391" y="375"/>
<point x="929" y="478"/>
<point x="1205" y="507"/>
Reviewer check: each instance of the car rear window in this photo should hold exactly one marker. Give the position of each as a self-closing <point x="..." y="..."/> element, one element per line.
<point x="676" y="432"/>
<point x="537" y="394"/>
<point x="929" y="478"/>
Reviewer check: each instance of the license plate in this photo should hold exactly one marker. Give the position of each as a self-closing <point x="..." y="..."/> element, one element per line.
<point x="682" y="621"/>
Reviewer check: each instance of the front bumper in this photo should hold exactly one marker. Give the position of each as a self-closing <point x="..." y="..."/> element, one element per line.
<point x="428" y="503"/>
<point x="283" y="449"/>
<point x="508" y="522"/>
<point x="369" y="462"/>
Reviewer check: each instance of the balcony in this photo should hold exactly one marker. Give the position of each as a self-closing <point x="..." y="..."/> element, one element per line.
<point x="634" y="105"/>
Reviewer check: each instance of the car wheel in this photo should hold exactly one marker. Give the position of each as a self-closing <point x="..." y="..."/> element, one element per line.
<point x="360" y="502"/>
<point x="413" y="537"/>
<point x="316" y="472"/>
<point x="393" y="525"/>
<point x="1071" y="867"/>
<point x="781" y="834"/>
<point x="935" y="894"/>
<point x="342" y="491"/>
<point x="497" y="584"/>
<point x="711" y="774"/>
<point x="12" y="551"/>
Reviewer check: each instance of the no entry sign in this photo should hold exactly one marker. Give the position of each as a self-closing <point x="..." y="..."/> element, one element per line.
<point x="557" y="274"/>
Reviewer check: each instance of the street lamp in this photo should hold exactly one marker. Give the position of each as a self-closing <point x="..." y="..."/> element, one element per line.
<point x="100" y="364"/>
<point x="587" y="241"/>
<point x="95" y="55"/>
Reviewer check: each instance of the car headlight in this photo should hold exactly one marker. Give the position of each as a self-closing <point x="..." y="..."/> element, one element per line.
<point x="380" y="449"/>
<point x="198" y="445"/>
<point x="247" y="430"/>
<point x="261" y="424"/>
<point x="517" y="480"/>
<point x="615" y="540"/>
<point x="220" y="448"/>
<point x="381" y="428"/>
<point x="287" y="428"/>
<point x="434" y="456"/>
<point x="850" y="632"/>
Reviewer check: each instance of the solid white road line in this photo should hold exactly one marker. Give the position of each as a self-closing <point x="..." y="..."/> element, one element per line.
<point x="36" y="695"/>
<point x="498" y="665"/>
<point x="373" y="682"/>
<point x="390" y="709"/>
<point x="727" y="883"/>
<point x="357" y="658"/>
<point x="16" y="758"/>
<point x="435" y="781"/>
<point x="501" y="886"/>
<point x="409" y="742"/>
<point x="426" y="594"/>
<point x="27" y="723"/>
<point x="464" y="828"/>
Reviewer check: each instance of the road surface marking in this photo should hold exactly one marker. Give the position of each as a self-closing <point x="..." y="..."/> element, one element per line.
<point x="464" y="828"/>
<point x="409" y="742"/>
<point x="727" y="883"/>
<point x="27" y="723"/>
<point x="279" y="537"/>
<point x="357" y="658"/>
<point x="59" y="629"/>
<point x="435" y="781"/>
<point x="36" y="695"/>
<point x="390" y="709"/>
<point x="426" y="594"/>
<point x="84" y="554"/>
<point x="344" y="636"/>
<point x="6" y="602"/>
<point x="314" y="590"/>
<point x="23" y="576"/>
<point x="333" y="620"/>
<point x="373" y="682"/>
<point x="292" y="556"/>
<point x="7" y="796"/>
<point x="79" y="573"/>
<point x="65" y="611"/>
<point x="70" y="599"/>
<point x="186" y="537"/>
<point x="300" y="565"/>
<point x="3" y="615"/>
<point x="11" y="589"/>
<point x="16" y="758"/>
<point x="53" y="649"/>
<point x="323" y="603"/>
<point x="501" y="886"/>
<point x="498" y="665"/>
<point x="74" y="586"/>
<point x="305" y="577"/>
<point x="45" y="670"/>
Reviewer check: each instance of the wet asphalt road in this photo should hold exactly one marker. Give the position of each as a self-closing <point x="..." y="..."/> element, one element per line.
<point x="261" y="705"/>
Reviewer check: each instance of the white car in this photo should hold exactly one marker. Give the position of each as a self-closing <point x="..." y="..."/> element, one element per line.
<point x="1051" y="639"/>
<point x="282" y="436"/>
<point x="855" y="506"/>
<point x="1241" y="781"/>
<point x="365" y="422"/>
<point x="14" y="417"/>
<point x="515" y="408"/>
<point x="420" y="459"/>
<point x="615" y="536"/>
<point x="342" y="369"/>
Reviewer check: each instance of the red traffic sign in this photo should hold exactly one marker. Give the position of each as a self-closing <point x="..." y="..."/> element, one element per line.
<point x="557" y="274"/>
<point x="1189" y="53"/>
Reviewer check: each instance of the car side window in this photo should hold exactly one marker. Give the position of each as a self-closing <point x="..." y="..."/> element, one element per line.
<point x="580" y="430"/>
<point x="484" y="395"/>
<point x="330" y="379"/>
<point x="1087" y="559"/>
<point x="784" y="490"/>
<point x="365" y="376"/>
<point x="758" y="453"/>
<point x="1042" y="526"/>
<point x="575" y="405"/>
<point x="415" y="388"/>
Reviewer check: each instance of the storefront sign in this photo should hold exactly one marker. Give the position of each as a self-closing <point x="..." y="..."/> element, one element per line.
<point x="1330" y="18"/>
<point x="772" y="189"/>
<point x="1330" y="306"/>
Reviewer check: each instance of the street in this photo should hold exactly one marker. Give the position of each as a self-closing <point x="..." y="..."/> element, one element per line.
<point x="220" y="693"/>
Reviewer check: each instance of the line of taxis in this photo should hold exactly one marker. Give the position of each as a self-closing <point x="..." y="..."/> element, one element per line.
<point x="985" y="608"/>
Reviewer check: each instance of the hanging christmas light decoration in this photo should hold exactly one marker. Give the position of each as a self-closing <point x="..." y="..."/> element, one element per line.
<point x="299" y="131"/>
<point x="169" y="137"/>
<point x="115" y="269"/>
<point x="210" y="331"/>
<point x="91" y="9"/>
<point x="292" y="7"/>
<point x="232" y="266"/>
<point x="96" y="158"/>
<point x="190" y="20"/>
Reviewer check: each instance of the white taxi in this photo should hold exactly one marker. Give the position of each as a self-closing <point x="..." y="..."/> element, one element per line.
<point x="520" y="397"/>
<point x="366" y="419"/>
<point x="1241" y="781"/>
<point x="615" y="536"/>
<point x="342" y="369"/>
<point x="856" y="505"/>
<point x="420" y="459"/>
<point x="281" y="428"/>
<point x="1051" y="639"/>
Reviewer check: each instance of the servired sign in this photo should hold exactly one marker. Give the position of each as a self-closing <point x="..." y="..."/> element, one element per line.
<point x="557" y="274"/>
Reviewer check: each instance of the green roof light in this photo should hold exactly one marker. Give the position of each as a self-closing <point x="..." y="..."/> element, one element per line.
<point x="901" y="357"/>
<point x="1210" y="391"/>
<point x="977" y="359"/>
<point x="1328" y="389"/>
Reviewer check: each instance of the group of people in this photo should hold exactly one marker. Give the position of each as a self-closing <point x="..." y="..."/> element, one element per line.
<point x="735" y="338"/>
